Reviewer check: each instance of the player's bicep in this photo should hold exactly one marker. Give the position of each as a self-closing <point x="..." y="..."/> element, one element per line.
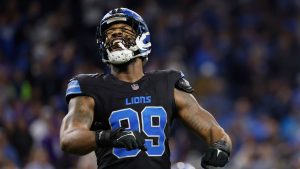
<point x="192" y="114"/>
<point x="80" y="114"/>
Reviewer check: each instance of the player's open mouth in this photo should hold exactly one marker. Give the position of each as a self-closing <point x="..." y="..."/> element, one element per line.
<point x="116" y="41"/>
<point x="117" y="45"/>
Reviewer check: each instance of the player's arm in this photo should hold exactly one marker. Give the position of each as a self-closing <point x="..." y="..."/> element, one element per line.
<point x="75" y="134"/>
<point x="198" y="119"/>
<point x="205" y="125"/>
<point x="76" y="137"/>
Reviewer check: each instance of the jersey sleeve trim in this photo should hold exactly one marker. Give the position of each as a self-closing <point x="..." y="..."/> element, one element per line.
<point x="73" y="88"/>
<point x="182" y="84"/>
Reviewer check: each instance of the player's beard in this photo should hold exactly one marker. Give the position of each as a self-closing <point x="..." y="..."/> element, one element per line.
<point x="124" y="66"/>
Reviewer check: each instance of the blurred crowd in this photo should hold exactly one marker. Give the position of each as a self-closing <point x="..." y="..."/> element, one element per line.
<point x="241" y="56"/>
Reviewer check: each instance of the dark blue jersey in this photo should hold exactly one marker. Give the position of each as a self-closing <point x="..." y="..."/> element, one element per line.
<point x="146" y="106"/>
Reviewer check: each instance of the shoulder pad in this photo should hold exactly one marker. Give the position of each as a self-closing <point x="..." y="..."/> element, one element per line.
<point x="85" y="76"/>
<point x="184" y="85"/>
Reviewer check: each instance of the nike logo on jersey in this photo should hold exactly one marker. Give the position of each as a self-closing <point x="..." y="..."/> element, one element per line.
<point x="138" y="100"/>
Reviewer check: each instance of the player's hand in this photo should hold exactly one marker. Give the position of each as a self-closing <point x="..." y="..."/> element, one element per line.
<point x="127" y="139"/>
<point x="120" y="138"/>
<point x="216" y="155"/>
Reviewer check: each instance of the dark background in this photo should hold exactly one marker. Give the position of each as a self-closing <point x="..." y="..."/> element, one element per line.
<point x="241" y="56"/>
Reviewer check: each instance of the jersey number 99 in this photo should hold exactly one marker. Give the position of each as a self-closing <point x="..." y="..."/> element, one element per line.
<point x="154" y="131"/>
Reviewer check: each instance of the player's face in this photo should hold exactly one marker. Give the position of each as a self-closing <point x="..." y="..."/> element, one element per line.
<point x="119" y="33"/>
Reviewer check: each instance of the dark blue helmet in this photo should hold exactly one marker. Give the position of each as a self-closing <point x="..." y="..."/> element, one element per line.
<point x="140" y="48"/>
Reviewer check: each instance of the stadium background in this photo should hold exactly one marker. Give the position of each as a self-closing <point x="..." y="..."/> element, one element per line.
<point x="242" y="57"/>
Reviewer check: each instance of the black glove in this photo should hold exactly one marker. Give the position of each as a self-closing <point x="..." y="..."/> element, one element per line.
<point x="217" y="155"/>
<point x="120" y="138"/>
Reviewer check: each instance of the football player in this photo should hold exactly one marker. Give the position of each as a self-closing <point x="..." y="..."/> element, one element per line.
<point x="125" y="116"/>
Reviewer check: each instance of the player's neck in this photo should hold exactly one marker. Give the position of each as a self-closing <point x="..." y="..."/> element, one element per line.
<point x="128" y="72"/>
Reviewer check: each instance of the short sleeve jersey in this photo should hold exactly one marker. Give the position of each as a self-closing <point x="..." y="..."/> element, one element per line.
<point x="147" y="106"/>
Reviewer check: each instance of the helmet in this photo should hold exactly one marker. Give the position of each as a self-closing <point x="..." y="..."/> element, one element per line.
<point x="140" y="48"/>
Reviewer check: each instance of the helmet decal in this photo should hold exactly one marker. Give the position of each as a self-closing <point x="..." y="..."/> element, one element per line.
<point x="143" y="41"/>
